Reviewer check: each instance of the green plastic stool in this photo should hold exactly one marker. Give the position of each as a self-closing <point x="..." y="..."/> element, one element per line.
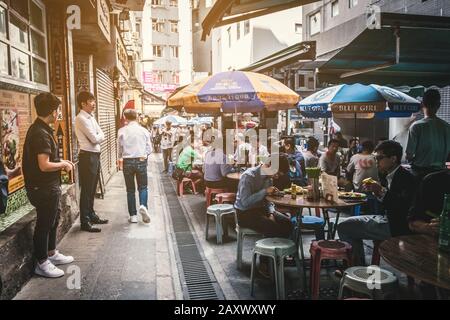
<point x="241" y="234"/>
<point x="218" y="211"/>
<point x="277" y="249"/>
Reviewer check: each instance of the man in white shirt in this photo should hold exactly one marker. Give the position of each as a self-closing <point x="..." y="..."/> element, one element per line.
<point x="167" y="141"/>
<point x="89" y="135"/>
<point x="134" y="146"/>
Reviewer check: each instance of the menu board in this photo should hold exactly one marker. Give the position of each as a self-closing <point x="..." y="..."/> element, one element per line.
<point x="329" y="187"/>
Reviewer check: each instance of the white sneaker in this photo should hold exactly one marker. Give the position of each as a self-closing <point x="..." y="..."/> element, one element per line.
<point x="133" y="219"/>
<point x="48" y="270"/>
<point x="144" y="213"/>
<point x="58" y="259"/>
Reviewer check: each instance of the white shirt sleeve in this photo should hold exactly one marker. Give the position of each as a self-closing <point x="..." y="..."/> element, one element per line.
<point x="148" y="142"/>
<point x="90" y="129"/>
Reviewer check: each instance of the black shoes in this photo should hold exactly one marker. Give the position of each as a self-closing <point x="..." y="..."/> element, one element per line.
<point x="90" y="228"/>
<point x="97" y="220"/>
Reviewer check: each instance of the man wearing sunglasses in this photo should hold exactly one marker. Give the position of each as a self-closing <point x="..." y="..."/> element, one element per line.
<point x="395" y="192"/>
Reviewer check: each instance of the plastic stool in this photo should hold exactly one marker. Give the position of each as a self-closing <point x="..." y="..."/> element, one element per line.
<point x="218" y="211"/>
<point x="181" y="184"/>
<point x="277" y="249"/>
<point x="227" y="197"/>
<point x="209" y="192"/>
<point x="241" y="233"/>
<point x="326" y="250"/>
<point x="372" y="281"/>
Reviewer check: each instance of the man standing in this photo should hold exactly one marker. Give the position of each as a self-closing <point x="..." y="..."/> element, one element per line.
<point x="167" y="141"/>
<point x="42" y="172"/>
<point x="396" y="194"/>
<point x="134" y="147"/>
<point x="428" y="145"/>
<point x="89" y="137"/>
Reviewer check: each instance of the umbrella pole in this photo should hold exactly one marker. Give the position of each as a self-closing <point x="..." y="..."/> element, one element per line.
<point x="354" y="136"/>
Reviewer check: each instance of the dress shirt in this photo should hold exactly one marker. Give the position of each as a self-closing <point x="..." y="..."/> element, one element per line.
<point x="389" y="179"/>
<point x="89" y="133"/>
<point x="133" y="141"/>
<point x="252" y="189"/>
<point x="215" y="166"/>
<point x="168" y="138"/>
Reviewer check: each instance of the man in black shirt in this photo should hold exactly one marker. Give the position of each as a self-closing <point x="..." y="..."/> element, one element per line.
<point x="42" y="169"/>
<point x="424" y="214"/>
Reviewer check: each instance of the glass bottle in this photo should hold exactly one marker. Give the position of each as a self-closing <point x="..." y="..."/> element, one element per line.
<point x="444" y="225"/>
<point x="293" y="191"/>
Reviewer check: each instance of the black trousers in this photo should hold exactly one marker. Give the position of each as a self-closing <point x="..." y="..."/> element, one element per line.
<point x="167" y="156"/>
<point x="46" y="200"/>
<point x="89" y="167"/>
<point x="258" y="220"/>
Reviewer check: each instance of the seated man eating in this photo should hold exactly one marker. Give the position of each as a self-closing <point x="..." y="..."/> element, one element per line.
<point x="252" y="208"/>
<point x="395" y="193"/>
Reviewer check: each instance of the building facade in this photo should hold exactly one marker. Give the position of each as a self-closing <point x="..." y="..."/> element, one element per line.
<point x="167" y="37"/>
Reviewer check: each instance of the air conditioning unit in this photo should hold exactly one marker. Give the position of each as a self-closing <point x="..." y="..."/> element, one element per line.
<point x="305" y="81"/>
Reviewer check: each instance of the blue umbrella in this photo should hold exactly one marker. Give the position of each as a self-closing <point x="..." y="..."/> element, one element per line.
<point x="358" y="101"/>
<point x="175" y="120"/>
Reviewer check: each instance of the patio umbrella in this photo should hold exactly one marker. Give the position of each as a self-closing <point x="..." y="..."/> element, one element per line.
<point x="234" y="91"/>
<point x="176" y="120"/>
<point x="358" y="101"/>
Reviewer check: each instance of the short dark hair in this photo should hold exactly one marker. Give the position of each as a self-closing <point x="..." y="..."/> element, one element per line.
<point x="290" y="141"/>
<point x="391" y="148"/>
<point x="432" y="99"/>
<point x="333" y="141"/>
<point x="130" y="114"/>
<point x="367" y="146"/>
<point x="83" y="97"/>
<point x="45" y="103"/>
<point x="353" y="139"/>
<point x="312" y="143"/>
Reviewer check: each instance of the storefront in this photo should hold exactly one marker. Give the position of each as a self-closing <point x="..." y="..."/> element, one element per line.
<point x="23" y="74"/>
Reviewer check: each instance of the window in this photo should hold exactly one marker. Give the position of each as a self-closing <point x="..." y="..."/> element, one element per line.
<point x="4" y="59"/>
<point x="174" y="3"/>
<point x="246" y="27"/>
<point x="238" y="30"/>
<point x="314" y="23"/>
<point x="23" y="41"/>
<point x="174" y="51"/>
<point x="157" y="51"/>
<point x="229" y="37"/>
<point x="298" y="28"/>
<point x="157" y="2"/>
<point x="158" y="25"/>
<point x="334" y="8"/>
<point x="3" y="22"/>
<point x="352" y="3"/>
<point x="174" y="26"/>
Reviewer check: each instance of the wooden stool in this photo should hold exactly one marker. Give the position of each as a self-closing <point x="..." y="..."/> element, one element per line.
<point x="326" y="250"/>
<point x="209" y="192"/>
<point x="227" y="197"/>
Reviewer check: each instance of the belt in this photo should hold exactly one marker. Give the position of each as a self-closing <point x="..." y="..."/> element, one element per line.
<point x="88" y="152"/>
<point x="140" y="159"/>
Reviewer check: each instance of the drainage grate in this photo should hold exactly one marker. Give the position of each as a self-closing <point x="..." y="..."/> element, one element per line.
<point x="196" y="276"/>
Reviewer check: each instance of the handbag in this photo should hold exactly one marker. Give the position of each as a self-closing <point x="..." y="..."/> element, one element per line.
<point x="3" y="188"/>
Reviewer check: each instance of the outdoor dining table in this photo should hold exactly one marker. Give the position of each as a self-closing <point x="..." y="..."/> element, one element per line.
<point x="302" y="202"/>
<point x="418" y="256"/>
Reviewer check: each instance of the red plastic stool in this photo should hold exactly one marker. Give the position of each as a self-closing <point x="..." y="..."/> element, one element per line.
<point x="227" y="197"/>
<point x="326" y="250"/>
<point x="183" y="183"/>
<point x="209" y="192"/>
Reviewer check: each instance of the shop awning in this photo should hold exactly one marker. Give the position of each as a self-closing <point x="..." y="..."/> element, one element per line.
<point x="230" y="11"/>
<point x="132" y="5"/>
<point x="406" y="50"/>
<point x="302" y="51"/>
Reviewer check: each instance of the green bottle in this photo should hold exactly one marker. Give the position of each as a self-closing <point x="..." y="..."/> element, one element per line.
<point x="444" y="225"/>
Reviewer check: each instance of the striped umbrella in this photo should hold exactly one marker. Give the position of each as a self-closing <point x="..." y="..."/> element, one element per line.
<point x="234" y="91"/>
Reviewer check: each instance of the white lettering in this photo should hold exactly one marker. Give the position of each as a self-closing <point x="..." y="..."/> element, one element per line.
<point x="74" y="19"/>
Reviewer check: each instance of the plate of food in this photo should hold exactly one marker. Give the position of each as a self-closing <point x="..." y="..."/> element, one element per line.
<point x="352" y="196"/>
<point x="299" y="189"/>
